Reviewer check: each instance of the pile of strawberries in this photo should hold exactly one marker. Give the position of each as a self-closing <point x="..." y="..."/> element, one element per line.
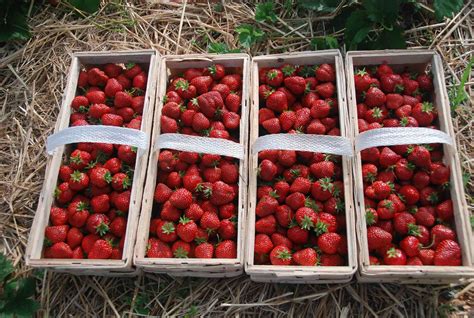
<point x="298" y="98"/>
<point x="113" y="96"/>
<point x="409" y="212"/>
<point x="204" y="102"/>
<point x="300" y="210"/>
<point x="89" y="216"/>
<point x="196" y="195"/>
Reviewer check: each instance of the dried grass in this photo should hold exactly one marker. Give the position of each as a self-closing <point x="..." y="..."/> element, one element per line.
<point x="32" y="78"/>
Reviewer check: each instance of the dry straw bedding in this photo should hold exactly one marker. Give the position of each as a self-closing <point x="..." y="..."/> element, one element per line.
<point x="32" y="79"/>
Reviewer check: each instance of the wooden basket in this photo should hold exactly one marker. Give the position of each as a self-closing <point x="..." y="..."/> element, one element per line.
<point x="35" y="243"/>
<point x="194" y="266"/>
<point x="300" y="274"/>
<point x="418" y="60"/>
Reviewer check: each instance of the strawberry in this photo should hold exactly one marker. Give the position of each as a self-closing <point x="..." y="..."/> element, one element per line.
<point x="439" y="175"/>
<point x="266" y="206"/>
<point x="410" y="245"/>
<point x="371" y="216"/>
<point x="231" y="120"/>
<point x="410" y="86"/>
<point x="329" y="242"/>
<point x="186" y="229"/>
<point x="272" y="125"/>
<point x="423" y="113"/>
<point x="267" y="170"/>
<point x="74" y="237"/>
<point x="362" y="80"/>
<point x="209" y="221"/>
<point x="325" y="73"/>
<point x="98" y="224"/>
<point x="266" y="225"/>
<point x="377" y="237"/>
<point x="302" y="185"/>
<point x="306" y="257"/>
<point x="58" y="216"/>
<point x="296" y="84"/>
<point x="323" y="169"/>
<point x="394" y="101"/>
<point x="277" y="101"/>
<point x="181" y="249"/>
<point x="409" y="194"/>
<point x="325" y="90"/>
<point x="209" y="103"/>
<point x="298" y="235"/>
<point x="280" y="255"/>
<point x="402" y="223"/>
<point x="374" y="97"/>
<point x="306" y="218"/>
<point x="80" y="104"/>
<point x="320" y="109"/>
<point x="78" y="181"/>
<point x="59" y="250"/>
<point x="394" y="256"/>
<point x="100" y="176"/>
<point x="369" y="172"/>
<point x="122" y="201"/>
<point x="227" y="230"/>
<point x="263" y="244"/>
<point x="100" y="203"/>
<point x="331" y="260"/>
<point x="388" y="157"/>
<point x="96" y="97"/>
<point x="158" y="249"/>
<point x="232" y="102"/>
<point x="96" y="77"/>
<point x="56" y="233"/>
<point x="181" y="198"/>
<point x="381" y="190"/>
<point x="169" y="212"/>
<point x="226" y="249"/>
<point x="79" y="159"/>
<point x="448" y="253"/>
<point x="78" y="213"/>
<point x="421" y="180"/>
<point x="204" y="250"/>
<point x="391" y="83"/>
<point x="444" y="211"/>
<point x="274" y="77"/>
<point x="101" y="249"/>
<point x="420" y="156"/>
<point x="425" y="82"/>
<point x="118" y="226"/>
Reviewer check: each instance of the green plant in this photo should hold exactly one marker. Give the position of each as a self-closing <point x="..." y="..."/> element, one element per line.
<point x="220" y="48"/>
<point x="86" y="6"/>
<point x="15" y="293"/>
<point x="249" y="35"/>
<point x="446" y="8"/>
<point x="457" y="94"/>
<point x="13" y="20"/>
<point x="324" y="43"/>
<point x="324" y="6"/>
<point x="265" y="12"/>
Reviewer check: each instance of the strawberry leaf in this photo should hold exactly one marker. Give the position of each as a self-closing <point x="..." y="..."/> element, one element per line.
<point x="265" y="12"/>
<point x="87" y="6"/>
<point x="446" y="8"/>
<point x="324" y="43"/>
<point x="248" y="34"/>
<point x="324" y="6"/>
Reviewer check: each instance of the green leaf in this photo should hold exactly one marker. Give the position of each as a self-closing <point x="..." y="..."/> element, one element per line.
<point x="358" y="27"/>
<point x="6" y="267"/>
<point x="389" y="39"/>
<point x="472" y="221"/>
<point x="265" y="12"/>
<point x="88" y="6"/>
<point x="446" y="8"/>
<point x="465" y="178"/>
<point x="20" y="288"/>
<point x="220" y="48"/>
<point x="20" y="308"/>
<point x="13" y="23"/>
<point x="324" y="6"/>
<point x="248" y="35"/>
<point x="324" y="43"/>
<point x="382" y="11"/>
<point x="457" y="94"/>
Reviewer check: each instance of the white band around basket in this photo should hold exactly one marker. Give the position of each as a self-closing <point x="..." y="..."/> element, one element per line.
<point x="96" y="134"/>
<point x="400" y="136"/>
<point x="215" y="146"/>
<point x="334" y="145"/>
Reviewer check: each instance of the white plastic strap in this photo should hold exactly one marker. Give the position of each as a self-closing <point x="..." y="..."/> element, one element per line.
<point x="400" y="136"/>
<point x="215" y="146"/>
<point x="103" y="134"/>
<point x="304" y="142"/>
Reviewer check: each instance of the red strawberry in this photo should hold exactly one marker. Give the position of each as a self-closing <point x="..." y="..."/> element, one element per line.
<point x="325" y="73"/>
<point x="266" y="225"/>
<point x="329" y="242"/>
<point x="231" y="120"/>
<point x="325" y="90"/>
<point x="232" y="102"/>
<point x="100" y="176"/>
<point x="209" y="103"/>
<point x="96" y="97"/>
<point x="448" y="253"/>
<point x="369" y="172"/>
<point x="158" y="249"/>
<point x="306" y="218"/>
<point x="298" y="235"/>
<point x="280" y="255"/>
<point x="402" y="222"/>
<point x="263" y="244"/>
<point x="374" y="97"/>
<point x="181" y="198"/>
<point x="59" y="250"/>
<point x="301" y="184"/>
<point x="101" y="249"/>
<point x="226" y="249"/>
<point x="272" y="126"/>
<point x="112" y="87"/>
<point x="266" y="206"/>
<point x="331" y="260"/>
<point x="202" y="84"/>
<point x="288" y="70"/>
<point x="425" y="82"/>
<point x="444" y="211"/>
<point x="322" y="189"/>
<point x="122" y="201"/>
<point x="100" y="203"/>
<point x="410" y="245"/>
<point x="320" y="109"/>
<point x="96" y="77"/>
<point x="56" y="233"/>
<point x="277" y="101"/>
<point x="409" y="194"/>
<point x="118" y="226"/>
<point x="323" y="169"/>
<point x="391" y="83"/>
<point x="296" y="84"/>
<point x="267" y="170"/>
<point x="381" y="190"/>
<point x="394" y="256"/>
<point x="284" y="215"/>
<point x="217" y="71"/>
<point x="227" y="230"/>
<point x="423" y="113"/>
<point x="420" y="156"/>
<point x="306" y="257"/>
<point x="210" y="221"/>
<point x="80" y="104"/>
<point x="169" y="212"/>
<point x="394" y="101"/>
<point x="410" y="86"/>
<point x="74" y="237"/>
<point x="58" y="216"/>
<point x="184" y="89"/>
<point x="181" y="249"/>
<point x="439" y="175"/>
<point x="204" y="250"/>
<point x="362" y="80"/>
<point x="98" y="224"/>
<point x="378" y="238"/>
<point x="186" y="229"/>
<point x="274" y="77"/>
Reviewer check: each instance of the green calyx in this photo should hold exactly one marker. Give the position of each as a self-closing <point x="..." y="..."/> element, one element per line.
<point x="320" y="228"/>
<point x="392" y="252"/>
<point x="180" y="253"/>
<point x="181" y="84"/>
<point x="427" y="107"/>
<point x="306" y="223"/>
<point x="310" y="203"/>
<point x="369" y="217"/>
<point x="284" y="255"/>
<point x="413" y="230"/>
<point x="168" y="228"/>
<point x="76" y="176"/>
<point x="102" y="229"/>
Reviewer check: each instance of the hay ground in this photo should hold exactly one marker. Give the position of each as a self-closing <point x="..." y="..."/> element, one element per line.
<point x="32" y="79"/>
